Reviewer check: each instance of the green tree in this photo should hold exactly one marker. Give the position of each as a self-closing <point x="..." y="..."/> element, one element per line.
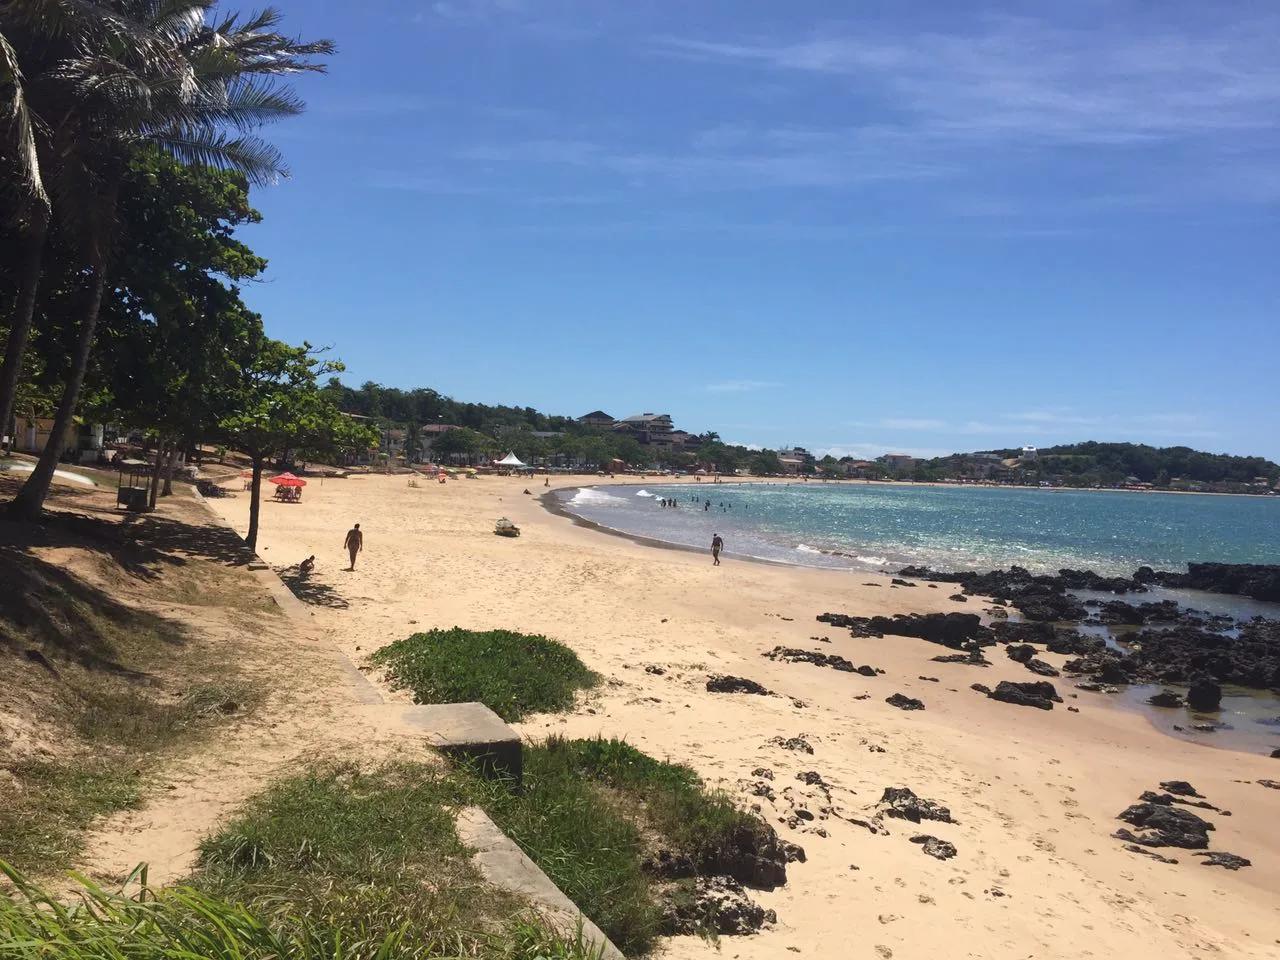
<point x="765" y="463"/>
<point x="116" y="75"/>
<point x="280" y="407"/>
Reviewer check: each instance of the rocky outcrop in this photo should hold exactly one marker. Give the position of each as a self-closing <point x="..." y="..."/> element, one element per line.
<point x="1219" y="858"/>
<point x="902" y="803"/>
<point x="1204" y="696"/>
<point x="1257" y="580"/>
<point x="1020" y="652"/>
<point x="939" y="849"/>
<point x="1039" y="693"/>
<point x="719" y="684"/>
<point x="904" y="703"/>
<point x="973" y="658"/>
<point x="1165" y="698"/>
<point x="1164" y="826"/>
<point x="718" y="905"/>
<point x="1041" y="668"/>
<point x="795" y="655"/>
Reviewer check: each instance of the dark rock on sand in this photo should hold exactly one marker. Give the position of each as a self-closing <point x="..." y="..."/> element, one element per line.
<point x="1039" y="693"/>
<point x="959" y="598"/>
<point x="981" y="688"/>
<point x="904" y="703"/>
<point x="973" y="658"/>
<point x="1020" y="631"/>
<point x="1168" y="800"/>
<point x="1072" y="643"/>
<point x="798" y="744"/>
<point x="656" y="671"/>
<point x="1020" y="652"/>
<point x="940" y="849"/>
<point x="1219" y="858"/>
<point x="901" y="583"/>
<point x="1134" y="848"/>
<point x="1165" y="826"/>
<point x="719" y="905"/>
<point x="954" y="630"/>
<point x="763" y="773"/>
<point x="1204" y="695"/>
<point x="1041" y="668"/>
<point x="752" y="854"/>
<point x="1180" y="788"/>
<point x="718" y="684"/>
<point x="1103" y="667"/>
<point x="1275" y="754"/>
<point x="1270" y="784"/>
<point x="866" y="671"/>
<point x="1165" y="698"/>
<point x="903" y="804"/>
<point x="794" y="655"/>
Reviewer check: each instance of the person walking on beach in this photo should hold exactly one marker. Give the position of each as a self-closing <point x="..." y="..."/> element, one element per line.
<point x="716" y="546"/>
<point x="354" y="544"/>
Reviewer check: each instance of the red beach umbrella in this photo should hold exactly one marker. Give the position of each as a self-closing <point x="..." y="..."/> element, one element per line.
<point x="287" y="480"/>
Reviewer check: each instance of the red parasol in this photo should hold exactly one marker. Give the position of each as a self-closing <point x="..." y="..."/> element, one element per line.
<point x="288" y="480"/>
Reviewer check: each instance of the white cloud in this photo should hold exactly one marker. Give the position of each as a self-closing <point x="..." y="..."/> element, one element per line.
<point x="740" y="386"/>
<point x="1019" y="78"/>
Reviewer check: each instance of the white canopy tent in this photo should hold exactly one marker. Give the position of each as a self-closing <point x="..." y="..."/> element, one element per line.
<point x="510" y="460"/>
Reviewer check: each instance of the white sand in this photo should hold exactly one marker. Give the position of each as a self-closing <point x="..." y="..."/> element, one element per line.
<point x="1035" y="793"/>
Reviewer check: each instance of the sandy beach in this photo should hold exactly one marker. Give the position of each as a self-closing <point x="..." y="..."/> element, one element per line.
<point x="1035" y="794"/>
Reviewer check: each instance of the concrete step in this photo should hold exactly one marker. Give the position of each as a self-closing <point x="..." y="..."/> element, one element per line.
<point x="469" y="732"/>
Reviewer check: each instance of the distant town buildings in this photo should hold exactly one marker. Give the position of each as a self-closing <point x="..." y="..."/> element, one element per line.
<point x="898" y="461"/>
<point x="599" y="419"/>
<point x="1028" y="454"/>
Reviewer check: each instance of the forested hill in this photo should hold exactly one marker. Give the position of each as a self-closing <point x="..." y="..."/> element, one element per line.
<point x="1116" y="462"/>
<point x="424" y="406"/>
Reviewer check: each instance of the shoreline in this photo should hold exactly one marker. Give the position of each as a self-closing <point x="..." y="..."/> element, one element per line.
<point x="1034" y="818"/>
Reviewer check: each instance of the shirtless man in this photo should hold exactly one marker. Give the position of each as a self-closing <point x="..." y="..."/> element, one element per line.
<point x="716" y="546"/>
<point x="354" y="544"/>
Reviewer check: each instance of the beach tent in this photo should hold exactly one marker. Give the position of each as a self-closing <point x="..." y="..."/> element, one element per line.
<point x="510" y="460"/>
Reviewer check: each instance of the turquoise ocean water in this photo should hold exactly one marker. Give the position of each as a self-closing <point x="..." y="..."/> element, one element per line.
<point x="949" y="528"/>
<point x="882" y="528"/>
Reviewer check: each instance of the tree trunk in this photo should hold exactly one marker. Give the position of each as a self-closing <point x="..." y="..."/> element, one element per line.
<point x="255" y="504"/>
<point x="157" y="467"/>
<point x="24" y="311"/>
<point x="29" y="502"/>
<point x="168" y="470"/>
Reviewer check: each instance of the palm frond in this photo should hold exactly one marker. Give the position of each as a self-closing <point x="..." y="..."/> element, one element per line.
<point x="25" y="155"/>
<point x="260" y="162"/>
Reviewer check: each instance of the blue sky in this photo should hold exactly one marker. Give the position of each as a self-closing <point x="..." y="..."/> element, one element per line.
<point x="916" y="226"/>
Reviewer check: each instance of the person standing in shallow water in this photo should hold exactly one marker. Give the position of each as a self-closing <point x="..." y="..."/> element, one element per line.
<point x="354" y="544"/>
<point x="716" y="546"/>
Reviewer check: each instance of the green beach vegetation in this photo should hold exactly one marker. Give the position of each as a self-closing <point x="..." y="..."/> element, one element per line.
<point x="513" y="674"/>
<point x="599" y="817"/>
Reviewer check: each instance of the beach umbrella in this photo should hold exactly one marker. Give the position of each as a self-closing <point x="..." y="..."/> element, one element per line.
<point x="287" y="480"/>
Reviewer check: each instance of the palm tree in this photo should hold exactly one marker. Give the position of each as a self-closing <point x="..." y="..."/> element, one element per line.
<point x="130" y="75"/>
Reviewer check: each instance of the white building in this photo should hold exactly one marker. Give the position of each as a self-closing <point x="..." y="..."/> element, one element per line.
<point x="1028" y="454"/>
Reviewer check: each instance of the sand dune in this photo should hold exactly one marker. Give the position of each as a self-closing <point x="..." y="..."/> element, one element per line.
<point x="1034" y="794"/>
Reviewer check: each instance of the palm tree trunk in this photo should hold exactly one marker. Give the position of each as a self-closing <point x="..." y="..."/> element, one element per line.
<point x="24" y="311"/>
<point x="167" y="491"/>
<point x="255" y="504"/>
<point x="156" y="469"/>
<point x="28" y="504"/>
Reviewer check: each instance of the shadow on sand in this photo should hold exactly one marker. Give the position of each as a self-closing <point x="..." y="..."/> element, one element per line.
<point x="311" y="591"/>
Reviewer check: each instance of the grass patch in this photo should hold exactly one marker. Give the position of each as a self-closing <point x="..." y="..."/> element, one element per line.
<point x="181" y="923"/>
<point x="591" y="812"/>
<point x="369" y="858"/>
<point x="49" y="804"/>
<point x="513" y="674"/>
